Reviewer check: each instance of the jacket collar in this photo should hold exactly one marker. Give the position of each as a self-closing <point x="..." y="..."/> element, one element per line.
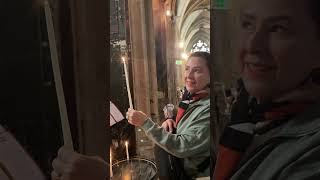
<point x="201" y="102"/>
<point x="304" y="124"/>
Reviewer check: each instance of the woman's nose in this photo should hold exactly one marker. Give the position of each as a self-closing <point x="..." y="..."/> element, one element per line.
<point x="256" y="42"/>
<point x="189" y="74"/>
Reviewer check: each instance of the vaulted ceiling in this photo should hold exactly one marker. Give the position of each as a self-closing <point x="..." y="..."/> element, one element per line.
<point x="192" y="22"/>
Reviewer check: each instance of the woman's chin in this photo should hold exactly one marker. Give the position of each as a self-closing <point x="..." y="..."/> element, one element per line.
<point x="260" y="91"/>
<point x="189" y="89"/>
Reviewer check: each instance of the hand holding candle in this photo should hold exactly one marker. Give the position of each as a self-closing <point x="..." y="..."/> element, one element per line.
<point x="136" y="118"/>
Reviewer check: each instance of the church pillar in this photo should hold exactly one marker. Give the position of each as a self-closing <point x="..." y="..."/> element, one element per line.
<point x="143" y="68"/>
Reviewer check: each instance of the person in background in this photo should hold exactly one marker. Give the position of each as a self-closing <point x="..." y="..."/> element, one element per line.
<point x="274" y="132"/>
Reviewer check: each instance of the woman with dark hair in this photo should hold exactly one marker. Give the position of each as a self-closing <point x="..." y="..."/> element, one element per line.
<point x="189" y="146"/>
<point x="191" y="142"/>
<point x="274" y="131"/>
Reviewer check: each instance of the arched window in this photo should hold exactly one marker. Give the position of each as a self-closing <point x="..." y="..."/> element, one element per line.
<point x="200" y="46"/>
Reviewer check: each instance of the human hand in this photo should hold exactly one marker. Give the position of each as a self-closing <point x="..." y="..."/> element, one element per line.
<point x="70" y="165"/>
<point x="136" y="118"/>
<point x="169" y="125"/>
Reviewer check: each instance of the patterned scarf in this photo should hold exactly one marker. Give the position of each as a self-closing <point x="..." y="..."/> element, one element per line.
<point x="187" y="100"/>
<point x="237" y="137"/>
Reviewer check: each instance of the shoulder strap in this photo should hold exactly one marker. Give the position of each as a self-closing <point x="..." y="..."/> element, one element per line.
<point x="204" y="164"/>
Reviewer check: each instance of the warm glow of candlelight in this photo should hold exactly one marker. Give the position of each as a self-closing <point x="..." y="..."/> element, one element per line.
<point x="123" y="59"/>
<point x="127" y="177"/>
<point x="168" y="13"/>
<point x="127" y="150"/>
<point x="111" y="172"/>
<point x="110" y="157"/>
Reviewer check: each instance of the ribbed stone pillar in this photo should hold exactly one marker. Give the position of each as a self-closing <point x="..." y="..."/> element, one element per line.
<point x="143" y="68"/>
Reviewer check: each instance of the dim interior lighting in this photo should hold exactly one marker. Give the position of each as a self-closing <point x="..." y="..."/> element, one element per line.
<point x="181" y="44"/>
<point x="184" y="55"/>
<point x="123" y="59"/>
<point x="168" y="13"/>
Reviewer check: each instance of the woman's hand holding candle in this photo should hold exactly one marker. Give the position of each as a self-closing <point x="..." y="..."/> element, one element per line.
<point x="136" y="118"/>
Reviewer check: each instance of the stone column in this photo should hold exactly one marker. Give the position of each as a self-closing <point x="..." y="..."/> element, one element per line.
<point x="143" y="68"/>
<point x="171" y="46"/>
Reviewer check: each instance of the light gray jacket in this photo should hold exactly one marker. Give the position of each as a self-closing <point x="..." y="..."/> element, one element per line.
<point x="289" y="152"/>
<point x="192" y="140"/>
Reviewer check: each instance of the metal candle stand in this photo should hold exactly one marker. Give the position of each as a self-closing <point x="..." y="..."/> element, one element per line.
<point x="134" y="169"/>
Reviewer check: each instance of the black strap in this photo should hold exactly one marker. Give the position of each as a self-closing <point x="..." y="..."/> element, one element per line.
<point x="178" y="169"/>
<point x="204" y="165"/>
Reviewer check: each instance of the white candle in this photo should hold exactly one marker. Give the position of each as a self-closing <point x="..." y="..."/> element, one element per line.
<point x="127" y="150"/>
<point x="127" y="82"/>
<point x="111" y="172"/>
<point x="67" y="138"/>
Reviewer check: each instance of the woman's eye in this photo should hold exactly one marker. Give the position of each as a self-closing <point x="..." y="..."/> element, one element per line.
<point x="197" y="70"/>
<point x="279" y="29"/>
<point x="247" y="25"/>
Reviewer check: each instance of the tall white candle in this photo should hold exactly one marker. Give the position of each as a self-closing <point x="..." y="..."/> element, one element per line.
<point x="127" y="150"/>
<point x="111" y="172"/>
<point x="67" y="138"/>
<point x="127" y="82"/>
